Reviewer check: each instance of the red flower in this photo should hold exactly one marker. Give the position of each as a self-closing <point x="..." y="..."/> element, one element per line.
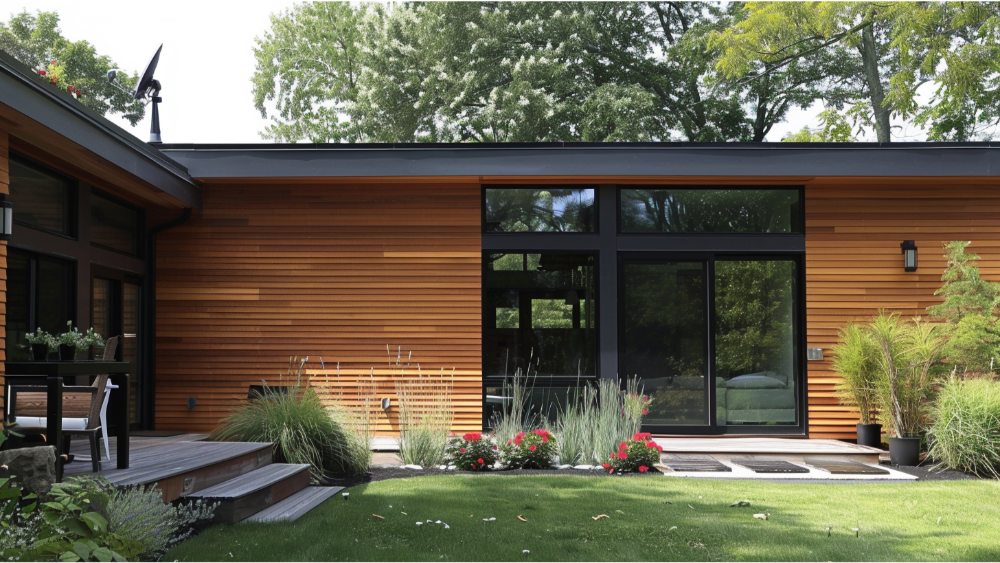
<point x="42" y="73"/>
<point x="533" y="448"/>
<point x="613" y="456"/>
<point x="622" y="455"/>
<point x="480" y="460"/>
<point x="605" y="465"/>
<point x="494" y="447"/>
<point x="472" y="437"/>
<point x="622" y="447"/>
<point x="660" y="448"/>
<point x="645" y="411"/>
<point x="650" y="445"/>
<point x="508" y="442"/>
<point x="642" y="468"/>
<point x="637" y="436"/>
<point x="612" y="470"/>
<point x="461" y="450"/>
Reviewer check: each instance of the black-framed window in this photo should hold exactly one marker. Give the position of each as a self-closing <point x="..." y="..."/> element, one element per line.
<point x="535" y="209"/>
<point x="115" y="225"/>
<point x="40" y="294"/>
<point x="728" y="210"/>
<point x="539" y="314"/>
<point x="44" y="199"/>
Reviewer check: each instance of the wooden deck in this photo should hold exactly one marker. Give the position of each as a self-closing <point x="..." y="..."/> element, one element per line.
<point x="140" y="450"/>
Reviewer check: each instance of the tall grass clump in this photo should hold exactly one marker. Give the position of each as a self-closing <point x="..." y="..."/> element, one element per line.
<point x="302" y="430"/>
<point x="425" y="417"/>
<point x="596" y="418"/>
<point x="516" y="414"/>
<point x="856" y="361"/>
<point x="966" y="430"/>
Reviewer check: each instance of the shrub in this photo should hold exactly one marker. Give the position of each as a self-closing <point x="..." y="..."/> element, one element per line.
<point x="529" y="450"/>
<point x="966" y="430"/>
<point x="516" y="414"/>
<point x="596" y="418"/>
<point x="425" y="415"/>
<point x="301" y="430"/>
<point x="639" y="453"/>
<point x="856" y="361"/>
<point x="472" y="452"/>
<point x="139" y="514"/>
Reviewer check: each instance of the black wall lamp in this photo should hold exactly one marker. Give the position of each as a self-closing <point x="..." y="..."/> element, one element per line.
<point x="909" y="249"/>
<point x="6" y="218"/>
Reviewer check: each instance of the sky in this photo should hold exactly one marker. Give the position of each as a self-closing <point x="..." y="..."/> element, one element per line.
<point x="207" y="61"/>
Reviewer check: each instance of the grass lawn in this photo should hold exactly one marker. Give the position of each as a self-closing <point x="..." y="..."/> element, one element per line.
<point x="650" y="519"/>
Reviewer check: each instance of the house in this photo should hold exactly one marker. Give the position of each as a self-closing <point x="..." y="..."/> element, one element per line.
<point x="717" y="274"/>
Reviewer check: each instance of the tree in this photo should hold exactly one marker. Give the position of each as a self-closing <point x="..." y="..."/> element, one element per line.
<point x="509" y="72"/>
<point x="833" y="129"/>
<point x="36" y="41"/>
<point x="970" y="309"/>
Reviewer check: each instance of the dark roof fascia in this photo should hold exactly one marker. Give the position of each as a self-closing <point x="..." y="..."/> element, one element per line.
<point x="29" y="94"/>
<point x="590" y="159"/>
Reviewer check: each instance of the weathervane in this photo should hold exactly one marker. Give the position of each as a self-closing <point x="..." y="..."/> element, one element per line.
<point x="147" y="89"/>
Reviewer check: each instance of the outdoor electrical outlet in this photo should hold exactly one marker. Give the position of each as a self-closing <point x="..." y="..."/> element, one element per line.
<point x="191" y="402"/>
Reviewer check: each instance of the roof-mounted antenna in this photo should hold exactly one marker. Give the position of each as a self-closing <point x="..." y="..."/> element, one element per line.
<point x="149" y="89"/>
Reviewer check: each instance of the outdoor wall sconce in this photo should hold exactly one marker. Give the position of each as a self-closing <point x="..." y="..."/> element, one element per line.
<point x="385" y="403"/>
<point x="909" y="255"/>
<point x="6" y="218"/>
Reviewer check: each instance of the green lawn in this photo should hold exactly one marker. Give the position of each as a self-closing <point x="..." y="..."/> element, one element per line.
<point x="651" y="519"/>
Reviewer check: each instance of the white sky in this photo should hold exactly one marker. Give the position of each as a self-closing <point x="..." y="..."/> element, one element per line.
<point x="207" y="61"/>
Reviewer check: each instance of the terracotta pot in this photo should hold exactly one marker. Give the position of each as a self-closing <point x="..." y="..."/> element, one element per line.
<point x="904" y="451"/>
<point x="870" y="435"/>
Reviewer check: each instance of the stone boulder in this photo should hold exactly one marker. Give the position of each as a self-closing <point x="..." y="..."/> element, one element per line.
<point x="34" y="469"/>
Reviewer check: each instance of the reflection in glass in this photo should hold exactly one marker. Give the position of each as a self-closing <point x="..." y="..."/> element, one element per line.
<point x="709" y="211"/>
<point x="664" y="338"/>
<point x="41" y="284"/>
<point x="550" y="210"/>
<point x="754" y="342"/>
<point x="539" y="309"/>
<point x="114" y="225"/>
<point x="41" y="200"/>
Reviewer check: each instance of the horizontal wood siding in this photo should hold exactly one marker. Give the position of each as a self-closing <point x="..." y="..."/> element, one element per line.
<point x="329" y="270"/>
<point x="854" y="265"/>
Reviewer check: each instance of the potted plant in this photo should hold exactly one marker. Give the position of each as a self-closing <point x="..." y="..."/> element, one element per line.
<point x="856" y="361"/>
<point x="910" y="354"/>
<point x="73" y="341"/>
<point x="41" y="344"/>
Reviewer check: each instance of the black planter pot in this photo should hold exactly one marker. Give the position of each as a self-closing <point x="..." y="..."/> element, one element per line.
<point x="904" y="451"/>
<point x="67" y="353"/>
<point x="39" y="352"/>
<point x="870" y="435"/>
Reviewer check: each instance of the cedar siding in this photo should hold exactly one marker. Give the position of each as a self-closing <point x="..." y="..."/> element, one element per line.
<point x="338" y="270"/>
<point x="854" y="266"/>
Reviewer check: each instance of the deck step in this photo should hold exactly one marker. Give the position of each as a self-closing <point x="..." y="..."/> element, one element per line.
<point x="183" y="468"/>
<point x="295" y="506"/>
<point x="253" y="492"/>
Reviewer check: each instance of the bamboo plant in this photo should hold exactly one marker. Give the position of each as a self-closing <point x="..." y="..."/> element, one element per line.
<point x="856" y="361"/>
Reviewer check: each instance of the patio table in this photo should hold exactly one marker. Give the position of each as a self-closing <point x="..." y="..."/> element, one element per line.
<point x="51" y="374"/>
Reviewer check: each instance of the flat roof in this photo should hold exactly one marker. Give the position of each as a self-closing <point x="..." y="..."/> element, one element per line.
<point x="24" y="91"/>
<point x="207" y="161"/>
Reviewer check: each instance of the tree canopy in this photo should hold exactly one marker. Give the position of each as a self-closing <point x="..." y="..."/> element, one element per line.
<point x="36" y="41"/>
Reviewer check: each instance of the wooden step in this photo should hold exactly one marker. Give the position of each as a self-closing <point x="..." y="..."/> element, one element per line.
<point x="182" y="468"/>
<point x="295" y="506"/>
<point x="255" y="491"/>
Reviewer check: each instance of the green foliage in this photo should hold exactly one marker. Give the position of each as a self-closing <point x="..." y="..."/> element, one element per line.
<point x="970" y="308"/>
<point x="20" y="521"/>
<point x="966" y="430"/>
<point x="7" y="430"/>
<point x="41" y="337"/>
<point x="834" y="128"/>
<point x="637" y="454"/>
<point x="529" y="450"/>
<point x="509" y="72"/>
<point x="595" y="418"/>
<point x="36" y="41"/>
<point x="75" y="529"/>
<point x="301" y="430"/>
<point x="909" y="356"/>
<point x="472" y="452"/>
<point x="856" y="359"/>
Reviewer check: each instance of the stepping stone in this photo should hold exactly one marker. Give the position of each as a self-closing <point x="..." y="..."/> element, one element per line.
<point x="765" y="465"/>
<point x="687" y="462"/>
<point x="843" y="467"/>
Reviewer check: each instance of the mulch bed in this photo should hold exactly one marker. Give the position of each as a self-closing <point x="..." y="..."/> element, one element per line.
<point x="927" y="471"/>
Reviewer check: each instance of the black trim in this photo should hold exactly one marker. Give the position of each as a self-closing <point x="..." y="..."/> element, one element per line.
<point x="595" y="160"/>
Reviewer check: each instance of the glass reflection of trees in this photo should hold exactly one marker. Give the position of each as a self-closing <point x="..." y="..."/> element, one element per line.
<point x="754" y="313"/>
<point x="709" y="211"/>
<point x="539" y="308"/>
<point x="553" y="209"/>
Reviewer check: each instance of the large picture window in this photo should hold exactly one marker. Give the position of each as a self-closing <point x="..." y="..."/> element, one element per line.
<point x="683" y="210"/>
